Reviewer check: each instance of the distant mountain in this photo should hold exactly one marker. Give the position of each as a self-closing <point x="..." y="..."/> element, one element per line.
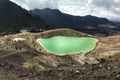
<point x="89" y="24"/>
<point x="14" y="18"/>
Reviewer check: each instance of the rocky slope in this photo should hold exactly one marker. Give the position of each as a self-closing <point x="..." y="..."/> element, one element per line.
<point x="23" y="57"/>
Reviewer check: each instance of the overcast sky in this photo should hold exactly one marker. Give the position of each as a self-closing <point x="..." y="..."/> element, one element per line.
<point x="100" y="8"/>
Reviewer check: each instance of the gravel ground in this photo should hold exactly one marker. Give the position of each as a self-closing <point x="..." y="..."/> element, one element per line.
<point x="105" y="70"/>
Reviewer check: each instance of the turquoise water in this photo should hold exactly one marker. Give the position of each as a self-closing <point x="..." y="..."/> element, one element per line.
<point x="63" y="45"/>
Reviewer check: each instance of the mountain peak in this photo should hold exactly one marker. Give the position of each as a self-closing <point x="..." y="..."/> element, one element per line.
<point x="54" y="16"/>
<point x="46" y="10"/>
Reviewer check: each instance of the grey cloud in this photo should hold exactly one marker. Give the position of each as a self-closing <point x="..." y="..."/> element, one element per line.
<point x="82" y="7"/>
<point x="32" y="4"/>
<point x="110" y="5"/>
<point x="103" y="3"/>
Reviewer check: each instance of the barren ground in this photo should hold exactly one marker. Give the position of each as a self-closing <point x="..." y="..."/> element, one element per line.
<point x="24" y="60"/>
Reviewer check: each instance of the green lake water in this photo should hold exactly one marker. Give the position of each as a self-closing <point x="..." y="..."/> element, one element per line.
<point x="63" y="45"/>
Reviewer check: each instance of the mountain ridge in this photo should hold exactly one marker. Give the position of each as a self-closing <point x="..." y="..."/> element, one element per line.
<point x="90" y="24"/>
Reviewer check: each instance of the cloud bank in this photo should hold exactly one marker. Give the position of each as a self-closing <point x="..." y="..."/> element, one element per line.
<point x="101" y="8"/>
